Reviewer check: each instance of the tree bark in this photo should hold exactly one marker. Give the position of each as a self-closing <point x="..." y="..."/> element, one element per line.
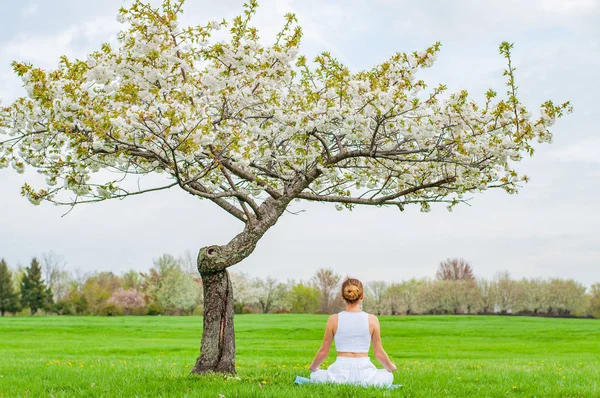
<point x="217" y="351"/>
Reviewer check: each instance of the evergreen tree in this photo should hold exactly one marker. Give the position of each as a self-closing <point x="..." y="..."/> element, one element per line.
<point x="33" y="290"/>
<point x="9" y="299"/>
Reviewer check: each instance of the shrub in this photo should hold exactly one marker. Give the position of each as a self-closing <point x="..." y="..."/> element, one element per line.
<point x="154" y="309"/>
<point x="248" y="310"/>
<point x="62" y="308"/>
<point x="198" y="310"/>
<point x="111" y="310"/>
<point x="238" y="307"/>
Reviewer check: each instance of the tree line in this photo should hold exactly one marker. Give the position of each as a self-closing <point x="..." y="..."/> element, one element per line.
<point x="172" y="286"/>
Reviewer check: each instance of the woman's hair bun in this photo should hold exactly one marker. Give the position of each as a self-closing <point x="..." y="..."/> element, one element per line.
<point x="351" y="293"/>
<point x="352" y="290"/>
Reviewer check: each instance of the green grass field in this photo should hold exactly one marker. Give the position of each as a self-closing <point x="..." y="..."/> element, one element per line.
<point x="437" y="356"/>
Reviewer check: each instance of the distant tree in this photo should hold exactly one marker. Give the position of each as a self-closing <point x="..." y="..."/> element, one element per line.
<point x="74" y="302"/>
<point x="593" y="304"/>
<point x="487" y="296"/>
<point x="199" y="291"/>
<point x="337" y="304"/>
<point x="432" y="296"/>
<point x="394" y="298"/>
<point x="131" y="280"/>
<point x="9" y="299"/>
<point x="244" y="292"/>
<point x="270" y="293"/>
<point x="17" y="277"/>
<point x="376" y="297"/>
<point x="151" y="282"/>
<point x="98" y="288"/>
<point x="326" y="280"/>
<point x="34" y="293"/>
<point x="508" y="292"/>
<point x="55" y="274"/>
<point x="188" y="263"/>
<point x="535" y="295"/>
<point x="470" y="296"/>
<point x="565" y="297"/>
<point x="177" y="293"/>
<point x="77" y="301"/>
<point x="447" y="296"/>
<point x="304" y="299"/>
<point x="454" y="269"/>
<point x="79" y="278"/>
<point x="128" y="299"/>
<point x="165" y="263"/>
<point x="451" y="300"/>
<point x="404" y="296"/>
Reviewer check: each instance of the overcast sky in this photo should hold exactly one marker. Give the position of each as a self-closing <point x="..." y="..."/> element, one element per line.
<point x="550" y="229"/>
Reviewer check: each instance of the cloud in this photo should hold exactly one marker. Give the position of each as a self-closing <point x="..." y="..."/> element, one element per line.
<point x="481" y="19"/>
<point x="569" y="6"/>
<point x="29" y="10"/>
<point x="587" y="151"/>
<point x="44" y="50"/>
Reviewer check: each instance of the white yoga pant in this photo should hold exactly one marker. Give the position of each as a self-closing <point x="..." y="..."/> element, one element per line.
<point x="354" y="371"/>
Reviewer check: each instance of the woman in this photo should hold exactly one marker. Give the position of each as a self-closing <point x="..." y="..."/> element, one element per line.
<point x="353" y="330"/>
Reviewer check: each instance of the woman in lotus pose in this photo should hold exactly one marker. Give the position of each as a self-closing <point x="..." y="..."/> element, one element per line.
<point x="353" y="330"/>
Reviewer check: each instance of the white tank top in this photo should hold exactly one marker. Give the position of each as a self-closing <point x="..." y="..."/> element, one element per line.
<point x="352" y="333"/>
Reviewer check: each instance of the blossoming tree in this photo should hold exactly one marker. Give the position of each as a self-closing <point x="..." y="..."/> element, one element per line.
<point x="251" y="127"/>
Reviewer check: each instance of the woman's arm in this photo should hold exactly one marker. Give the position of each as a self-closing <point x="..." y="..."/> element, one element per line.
<point x="327" y="339"/>
<point x="378" y="350"/>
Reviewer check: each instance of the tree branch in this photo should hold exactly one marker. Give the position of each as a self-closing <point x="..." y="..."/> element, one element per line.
<point x="248" y="176"/>
<point x="373" y="201"/>
<point x="243" y="199"/>
<point x="195" y="188"/>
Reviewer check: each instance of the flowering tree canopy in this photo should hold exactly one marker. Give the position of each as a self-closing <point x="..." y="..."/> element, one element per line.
<point x="236" y="122"/>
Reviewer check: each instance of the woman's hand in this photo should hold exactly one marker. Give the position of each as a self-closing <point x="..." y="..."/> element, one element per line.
<point x="314" y="369"/>
<point x="393" y="369"/>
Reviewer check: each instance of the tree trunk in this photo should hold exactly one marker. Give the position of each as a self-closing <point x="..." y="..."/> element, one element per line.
<point x="217" y="351"/>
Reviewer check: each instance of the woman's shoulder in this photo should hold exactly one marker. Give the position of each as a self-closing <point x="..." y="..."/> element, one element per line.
<point x="332" y="323"/>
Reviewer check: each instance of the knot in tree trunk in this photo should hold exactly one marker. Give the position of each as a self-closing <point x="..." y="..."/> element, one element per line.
<point x="216" y="258"/>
